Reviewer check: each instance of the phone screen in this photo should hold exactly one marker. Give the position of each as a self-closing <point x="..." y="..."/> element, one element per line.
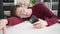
<point x="33" y="19"/>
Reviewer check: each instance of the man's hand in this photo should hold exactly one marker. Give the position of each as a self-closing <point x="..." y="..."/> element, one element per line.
<point x="40" y="24"/>
<point x="3" y="23"/>
<point x="37" y="24"/>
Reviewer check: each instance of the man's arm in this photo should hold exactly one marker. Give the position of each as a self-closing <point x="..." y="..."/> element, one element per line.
<point x="49" y="16"/>
<point x="41" y="11"/>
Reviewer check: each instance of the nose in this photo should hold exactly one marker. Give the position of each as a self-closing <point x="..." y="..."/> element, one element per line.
<point x="26" y="14"/>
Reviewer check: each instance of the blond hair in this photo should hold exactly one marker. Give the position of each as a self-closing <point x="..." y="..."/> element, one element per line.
<point x="23" y="2"/>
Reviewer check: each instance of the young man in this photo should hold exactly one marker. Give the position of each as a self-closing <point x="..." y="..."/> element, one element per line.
<point x="44" y="15"/>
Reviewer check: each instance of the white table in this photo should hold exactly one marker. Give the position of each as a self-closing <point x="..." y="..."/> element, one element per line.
<point x="27" y="28"/>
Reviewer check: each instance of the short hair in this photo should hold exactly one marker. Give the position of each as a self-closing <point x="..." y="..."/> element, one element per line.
<point x="13" y="10"/>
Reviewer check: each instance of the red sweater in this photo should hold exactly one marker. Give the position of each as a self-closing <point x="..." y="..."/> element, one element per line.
<point x="40" y="11"/>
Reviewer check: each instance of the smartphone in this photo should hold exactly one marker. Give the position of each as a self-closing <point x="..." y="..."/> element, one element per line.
<point x="33" y="19"/>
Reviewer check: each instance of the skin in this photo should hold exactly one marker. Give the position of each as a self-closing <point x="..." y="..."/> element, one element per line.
<point x="3" y="23"/>
<point x="26" y="13"/>
<point x="37" y="24"/>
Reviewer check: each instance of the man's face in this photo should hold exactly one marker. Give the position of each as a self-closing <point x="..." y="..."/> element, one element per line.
<point x="23" y="12"/>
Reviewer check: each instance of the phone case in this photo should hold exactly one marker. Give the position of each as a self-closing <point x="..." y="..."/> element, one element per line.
<point x="33" y="19"/>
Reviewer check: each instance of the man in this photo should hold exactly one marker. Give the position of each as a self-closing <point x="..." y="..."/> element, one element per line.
<point x="20" y="14"/>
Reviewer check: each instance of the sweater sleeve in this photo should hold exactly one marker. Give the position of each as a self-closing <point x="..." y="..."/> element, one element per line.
<point x="49" y="16"/>
<point x="14" y="21"/>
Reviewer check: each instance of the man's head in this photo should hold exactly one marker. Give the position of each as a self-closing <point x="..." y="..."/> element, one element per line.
<point x="21" y="11"/>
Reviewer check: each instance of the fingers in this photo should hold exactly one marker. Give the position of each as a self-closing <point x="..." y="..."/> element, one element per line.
<point x="35" y="24"/>
<point x="1" y="25"/>
<point x="38" y="22"/>
<point x="4" y="30"/>
<point x="38" y="26"/>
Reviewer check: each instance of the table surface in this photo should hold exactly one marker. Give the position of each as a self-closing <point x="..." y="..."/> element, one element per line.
<point x="27" y="28"/>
